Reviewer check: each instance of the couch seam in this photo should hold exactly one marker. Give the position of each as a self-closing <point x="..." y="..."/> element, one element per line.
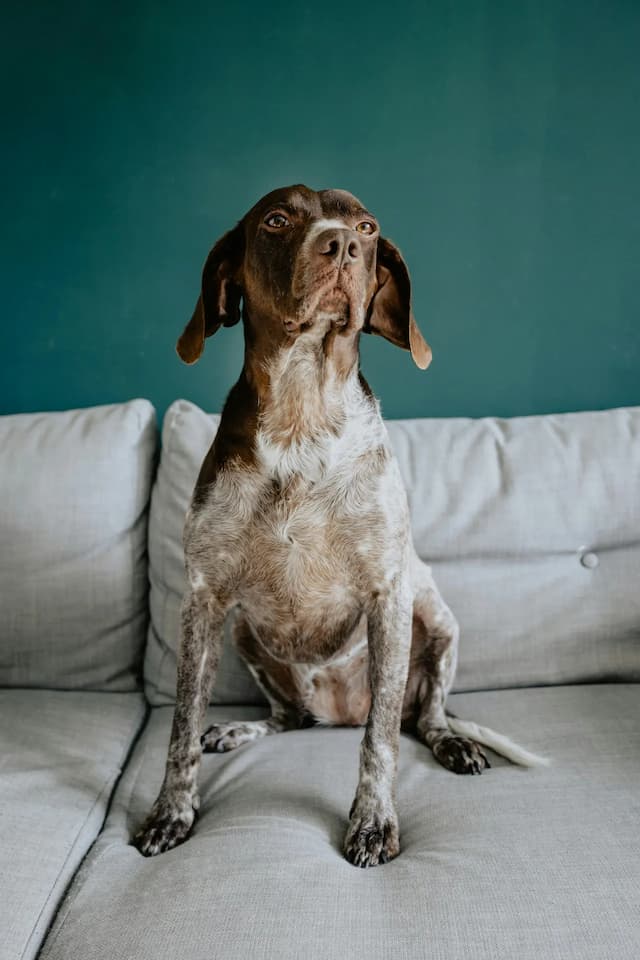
<point x="109" y="785"/>
<point x="77" y="889"/>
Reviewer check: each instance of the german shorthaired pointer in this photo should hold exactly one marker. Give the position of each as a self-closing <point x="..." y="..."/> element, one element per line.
<point x="299" y="520"/>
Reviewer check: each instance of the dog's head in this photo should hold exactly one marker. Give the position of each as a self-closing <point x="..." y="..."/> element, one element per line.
<point x="300" y="260"/>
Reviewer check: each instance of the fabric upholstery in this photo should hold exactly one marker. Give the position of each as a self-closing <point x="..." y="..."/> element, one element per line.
<point x="531" y="526"/>
<point x="60" y="754"/>
<point x="187" y="433"/>
<point x="74" y="492"/>
<point x="516" y="863"/>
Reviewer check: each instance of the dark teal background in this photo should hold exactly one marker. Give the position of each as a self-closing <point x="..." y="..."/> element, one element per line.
<point x="498" y="143"/>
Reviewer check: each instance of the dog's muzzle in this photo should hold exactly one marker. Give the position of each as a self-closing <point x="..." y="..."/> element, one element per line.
<point x="329" y="280"/>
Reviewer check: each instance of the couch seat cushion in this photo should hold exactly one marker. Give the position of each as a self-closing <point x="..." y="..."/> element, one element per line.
<point x="60" y="754"/>
<point x="516" y="863"/>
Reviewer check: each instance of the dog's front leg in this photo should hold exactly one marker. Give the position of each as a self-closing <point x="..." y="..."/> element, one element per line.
<point x="173" y="813"/>
<point x="373" y="835"/>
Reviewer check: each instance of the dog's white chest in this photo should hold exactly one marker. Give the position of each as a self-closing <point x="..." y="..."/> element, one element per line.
<point x="300" y="582"/>
<point x="304" y="538"/>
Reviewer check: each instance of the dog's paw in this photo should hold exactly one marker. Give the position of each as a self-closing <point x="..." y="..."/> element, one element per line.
<point x="165" y="827"/>
<point x="371" y="839"/>
<point x="460" y="754"/>
<point x="227" y="736"/>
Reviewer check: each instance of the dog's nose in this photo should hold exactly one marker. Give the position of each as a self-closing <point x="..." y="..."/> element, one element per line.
<point x="337" y="244"/>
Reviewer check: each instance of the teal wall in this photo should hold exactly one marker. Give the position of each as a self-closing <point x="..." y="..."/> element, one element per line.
<point x="498" y="143"/>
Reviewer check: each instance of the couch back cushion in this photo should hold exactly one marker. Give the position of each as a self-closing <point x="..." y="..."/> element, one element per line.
<point x="187" y="433"/>
<point x="531" y="526"/>
<point x="74" y="494"/>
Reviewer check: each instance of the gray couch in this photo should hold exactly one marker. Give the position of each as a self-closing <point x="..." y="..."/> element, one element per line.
<point x="532" y="526"/>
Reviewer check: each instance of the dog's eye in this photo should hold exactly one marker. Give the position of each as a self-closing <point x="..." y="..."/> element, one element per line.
<point x="365" y="226"/>
<point x="277" y="220"/>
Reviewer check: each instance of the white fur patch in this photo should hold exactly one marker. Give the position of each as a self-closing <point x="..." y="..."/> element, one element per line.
<point x="319" y="225"/>
<point x="197" y="580"/>
<point x="321" y="450"/>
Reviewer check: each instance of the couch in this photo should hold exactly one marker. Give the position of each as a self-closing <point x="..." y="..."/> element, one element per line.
<point x="532" y="527"/>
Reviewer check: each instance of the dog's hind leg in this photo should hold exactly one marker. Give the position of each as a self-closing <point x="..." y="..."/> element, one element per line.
<point x="221" y="737"/>
<point x="434" y="650"/>
<point x="434" y="654"/>
<point x="277" y="682"/>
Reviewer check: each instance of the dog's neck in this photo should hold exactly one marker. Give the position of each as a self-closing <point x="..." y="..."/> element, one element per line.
<point x="305" y="386"/>
<point x="298" y="406"/>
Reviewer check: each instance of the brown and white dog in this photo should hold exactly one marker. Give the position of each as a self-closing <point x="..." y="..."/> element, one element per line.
<point x="299" y="520"/>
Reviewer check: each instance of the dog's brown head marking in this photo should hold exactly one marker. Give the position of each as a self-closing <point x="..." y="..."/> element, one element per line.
<point x="300" y="261"/>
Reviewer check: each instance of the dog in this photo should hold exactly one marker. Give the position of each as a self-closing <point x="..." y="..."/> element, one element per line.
<point x="299" y="521"/>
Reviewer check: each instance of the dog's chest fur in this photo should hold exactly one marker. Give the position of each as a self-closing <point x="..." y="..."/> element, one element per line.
<point x="304" y="537"/>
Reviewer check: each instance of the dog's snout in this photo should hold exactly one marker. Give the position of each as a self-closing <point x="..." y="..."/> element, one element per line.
<point x="352" y="250"/>
<point x="339" y="245"/>
<point x="332" y="248"/>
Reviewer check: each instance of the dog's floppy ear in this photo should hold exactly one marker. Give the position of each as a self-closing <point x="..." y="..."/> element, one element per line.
<point x="219" y="302"/>
<point x="390" y="314"/>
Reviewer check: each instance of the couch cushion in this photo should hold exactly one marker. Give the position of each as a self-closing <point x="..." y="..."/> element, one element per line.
<point x="74" y="491"/>
<point x="531" y="525"/>
<point x="517" y="863"/>
<point x="60" y="754"/>
<point x="187" y="433"/>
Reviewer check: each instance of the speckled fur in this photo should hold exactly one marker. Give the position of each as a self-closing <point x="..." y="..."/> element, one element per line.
<point x="299" y="525"/>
